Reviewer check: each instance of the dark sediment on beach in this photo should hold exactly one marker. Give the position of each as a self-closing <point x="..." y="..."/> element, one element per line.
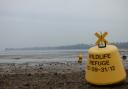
<point x="48" y="76"/>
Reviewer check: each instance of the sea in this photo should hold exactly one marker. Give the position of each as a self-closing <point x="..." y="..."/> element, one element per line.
<point x="41" y="56"/>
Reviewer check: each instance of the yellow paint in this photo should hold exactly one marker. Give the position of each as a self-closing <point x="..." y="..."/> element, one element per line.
<point x="101" y="38"/>
<point x="104" y="65"/>
<point x="80" y="58"/>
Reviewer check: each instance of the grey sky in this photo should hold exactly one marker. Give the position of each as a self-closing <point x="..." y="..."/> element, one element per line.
<point x="28" y="23"/>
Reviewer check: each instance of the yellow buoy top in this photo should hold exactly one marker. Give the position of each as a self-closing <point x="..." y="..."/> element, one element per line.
<point x="80" y="54"/>
<point x="107" y="49"/>
<point x="101" y="38"/>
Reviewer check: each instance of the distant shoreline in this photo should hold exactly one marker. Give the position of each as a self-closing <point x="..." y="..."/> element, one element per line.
<point x="123" y="45"/>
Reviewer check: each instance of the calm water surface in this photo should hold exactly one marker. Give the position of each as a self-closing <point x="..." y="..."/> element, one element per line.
<point x="40" y="56"/>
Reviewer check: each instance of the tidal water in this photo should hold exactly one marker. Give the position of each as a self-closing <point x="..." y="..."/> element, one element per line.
<point x="33" y="56"/>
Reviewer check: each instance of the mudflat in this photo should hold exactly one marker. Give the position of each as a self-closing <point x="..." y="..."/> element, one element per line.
<point x="53" y="75"/>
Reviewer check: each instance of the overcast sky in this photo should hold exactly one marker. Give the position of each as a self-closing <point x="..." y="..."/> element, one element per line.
<point x="29" y="23"/>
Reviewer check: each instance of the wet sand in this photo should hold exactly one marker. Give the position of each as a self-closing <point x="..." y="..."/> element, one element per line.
<point x="54" y="75"/>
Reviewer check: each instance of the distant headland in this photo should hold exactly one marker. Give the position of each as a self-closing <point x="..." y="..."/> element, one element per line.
<point x="121" y="45"/>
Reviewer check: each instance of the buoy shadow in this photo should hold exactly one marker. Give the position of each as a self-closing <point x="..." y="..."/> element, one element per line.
<point x="120" y="85"/>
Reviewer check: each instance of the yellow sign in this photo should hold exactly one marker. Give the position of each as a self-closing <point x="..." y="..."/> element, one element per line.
<point x="104" y="66"/>
<point x="101" y="38"/>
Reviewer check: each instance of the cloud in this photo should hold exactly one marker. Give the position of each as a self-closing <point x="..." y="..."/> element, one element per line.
<point x="56" y="22"/>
